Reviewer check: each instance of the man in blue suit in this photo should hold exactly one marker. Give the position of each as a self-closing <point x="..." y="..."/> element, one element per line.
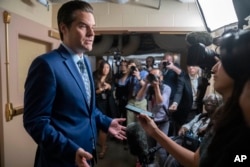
<point x="59" y="108"/>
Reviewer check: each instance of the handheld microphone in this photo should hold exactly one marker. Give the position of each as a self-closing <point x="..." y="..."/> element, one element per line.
<point x="137" y="140"/>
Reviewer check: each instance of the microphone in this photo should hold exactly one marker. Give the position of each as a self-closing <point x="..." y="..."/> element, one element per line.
<point x="137" y="140"/>
<point x="194" y="38"/>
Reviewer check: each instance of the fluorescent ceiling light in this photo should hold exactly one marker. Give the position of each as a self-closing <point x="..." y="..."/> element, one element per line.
<point x="43" y="2"/>
<point x="217" y="13"/>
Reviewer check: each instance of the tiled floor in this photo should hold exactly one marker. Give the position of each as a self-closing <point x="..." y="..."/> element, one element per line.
<point x="117" y="156"/>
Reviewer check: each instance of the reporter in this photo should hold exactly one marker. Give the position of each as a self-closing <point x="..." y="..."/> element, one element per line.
<point x="196" y="127"/>
<point x="228" y="133"/>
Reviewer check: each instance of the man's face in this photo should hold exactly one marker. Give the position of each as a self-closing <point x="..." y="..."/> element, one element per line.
<point x="157" y="73"/>
<point x="168" y="58"/>
<point x="131" y="64"/>
<point x="193" y="70"/>
<point x="124" y="67"/>
<point x="149" y="62"/>
<point x="80" y="35"/>
<point x="211" y="104"/>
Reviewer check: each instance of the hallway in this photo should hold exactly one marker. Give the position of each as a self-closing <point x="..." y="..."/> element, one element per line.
<point x="117" y="156"/>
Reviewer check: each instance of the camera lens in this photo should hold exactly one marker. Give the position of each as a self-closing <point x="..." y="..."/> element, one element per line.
<point x="132" y="69"/>
<point x="151" y="78"/>
<point x="165" y="64"/>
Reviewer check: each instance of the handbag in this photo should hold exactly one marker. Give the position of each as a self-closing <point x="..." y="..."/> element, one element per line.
<point x="190" y="141"/>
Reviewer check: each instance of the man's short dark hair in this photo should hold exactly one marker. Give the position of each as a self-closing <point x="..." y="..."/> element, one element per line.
<point x="152" y="58"/>
<point x="66" y="15"/>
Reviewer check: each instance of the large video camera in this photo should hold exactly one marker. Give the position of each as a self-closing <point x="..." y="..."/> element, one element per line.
<point x="199" y="55"/>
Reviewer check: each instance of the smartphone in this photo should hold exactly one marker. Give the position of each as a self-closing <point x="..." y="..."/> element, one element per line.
<point x="138" y="110"/>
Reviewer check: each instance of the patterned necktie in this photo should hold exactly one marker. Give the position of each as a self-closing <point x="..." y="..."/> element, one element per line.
<point x="85" y="78"/>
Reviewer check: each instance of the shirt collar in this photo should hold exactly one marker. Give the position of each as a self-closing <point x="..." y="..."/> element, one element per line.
<point x="75" y="56"/>
<point x="193" y="77"/>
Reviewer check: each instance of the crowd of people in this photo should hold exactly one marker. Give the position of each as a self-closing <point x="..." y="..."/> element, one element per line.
<point x="173" y="95"/>
<point x="75" y="109"/>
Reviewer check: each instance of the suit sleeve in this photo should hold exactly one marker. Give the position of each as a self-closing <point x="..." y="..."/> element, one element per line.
<point x="180" y="88"/>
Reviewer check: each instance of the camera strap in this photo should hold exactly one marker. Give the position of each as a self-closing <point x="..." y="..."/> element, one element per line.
<point x="165" y="71"/>
<point x="166" y="110"/>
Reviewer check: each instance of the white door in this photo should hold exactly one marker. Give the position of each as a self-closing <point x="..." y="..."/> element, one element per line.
<point x="26" y="40"/>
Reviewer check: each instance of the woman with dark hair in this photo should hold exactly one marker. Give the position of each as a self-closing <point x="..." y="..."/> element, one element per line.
<point x="244" y="102"/>
<point x="196" y="128"/>
<point x="228" y="133"/>
<point x="104" y="98"/>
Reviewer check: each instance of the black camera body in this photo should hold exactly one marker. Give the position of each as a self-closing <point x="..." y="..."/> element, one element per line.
<point x="165" y="64"/>
<point x="151" y="78"/>
<point x="132" y="70"/>
<point x="199" y="55"/>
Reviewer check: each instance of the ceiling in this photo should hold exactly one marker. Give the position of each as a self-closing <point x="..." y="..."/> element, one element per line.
<point x="117" y="1"/>
<point x="95" y="1"/>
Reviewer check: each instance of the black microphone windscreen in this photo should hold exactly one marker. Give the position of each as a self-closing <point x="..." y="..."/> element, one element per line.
<point x="137" y="139"/>
<point x="199" y="37"/>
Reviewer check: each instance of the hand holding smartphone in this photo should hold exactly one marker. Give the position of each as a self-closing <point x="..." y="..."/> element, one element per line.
<point x="138" y="110"/>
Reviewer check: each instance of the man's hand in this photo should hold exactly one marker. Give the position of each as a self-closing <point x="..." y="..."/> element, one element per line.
<point x="117" y="130"/>
<point x="182" y="131"/>
<point x="173" y="107"/>
<point x="82" y="157"/>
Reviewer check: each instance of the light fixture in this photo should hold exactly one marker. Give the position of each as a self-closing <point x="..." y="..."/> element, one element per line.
<point x="43" y="2"/>
<point x="217" y="14"/>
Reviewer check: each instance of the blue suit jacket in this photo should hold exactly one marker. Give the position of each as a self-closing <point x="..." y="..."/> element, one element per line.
<point x="56" y="113"/>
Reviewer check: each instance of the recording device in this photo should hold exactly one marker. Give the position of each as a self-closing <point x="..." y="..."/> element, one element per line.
<point x="138" y="110"/>
<point x="117" y="56"/>
<point x="132" y="70"/>
<point x="137" y="139"/>
<point x="117" y="59"/>
<point x="165" y="64"/>
<point x="151" y="78"/>
<point x="193" y="38"/>
<point x="138" y="144"/>
<point x="199" y="55"/>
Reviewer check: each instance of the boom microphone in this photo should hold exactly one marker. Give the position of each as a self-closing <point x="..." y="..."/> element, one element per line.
<point x="137" y="140"/>
<point x="203" y="37"/>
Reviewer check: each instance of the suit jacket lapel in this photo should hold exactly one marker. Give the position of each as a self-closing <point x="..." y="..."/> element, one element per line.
<point x="189" y="87"/>
<point x="75" y="73"/>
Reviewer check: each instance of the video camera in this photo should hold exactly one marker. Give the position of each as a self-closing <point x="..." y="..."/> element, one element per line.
<point x="199" y="55"/>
